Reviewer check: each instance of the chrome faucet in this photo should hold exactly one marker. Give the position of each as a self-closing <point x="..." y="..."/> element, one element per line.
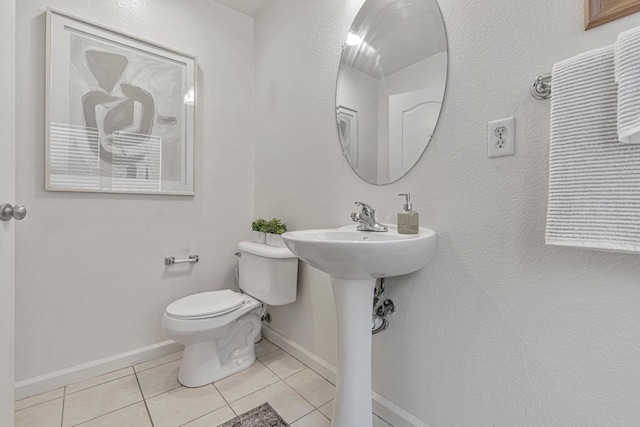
<point x="367" y="219"/>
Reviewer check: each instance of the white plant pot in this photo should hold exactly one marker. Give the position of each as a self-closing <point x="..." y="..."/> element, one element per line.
<point x="258" y="237"/>
<point x="275" y="240"/>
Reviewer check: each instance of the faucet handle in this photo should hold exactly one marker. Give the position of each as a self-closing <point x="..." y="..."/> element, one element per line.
<point x="366" y="209"/>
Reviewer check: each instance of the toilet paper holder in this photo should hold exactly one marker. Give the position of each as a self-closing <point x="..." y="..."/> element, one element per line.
<point x="171" y="260"/>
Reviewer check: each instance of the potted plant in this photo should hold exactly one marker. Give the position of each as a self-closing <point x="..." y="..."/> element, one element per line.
<point x="258" y="233"/>
<point x="274" y="230"/>
<point x="269" y="232"/>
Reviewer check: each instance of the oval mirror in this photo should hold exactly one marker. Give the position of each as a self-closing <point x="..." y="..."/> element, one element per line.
<point x="391" y="84"/>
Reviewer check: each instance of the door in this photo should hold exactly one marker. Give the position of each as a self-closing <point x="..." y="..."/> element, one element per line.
<point x="7" y="195"/>
<point x="412" y="119"/>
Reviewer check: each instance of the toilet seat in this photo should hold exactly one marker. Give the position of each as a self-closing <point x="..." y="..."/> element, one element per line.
<point x="205" y="305"/>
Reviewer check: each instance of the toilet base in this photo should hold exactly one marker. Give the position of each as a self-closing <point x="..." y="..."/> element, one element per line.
<point x="208" y="361"/>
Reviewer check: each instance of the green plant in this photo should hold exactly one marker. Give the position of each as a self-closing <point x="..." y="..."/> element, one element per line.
<point x="258" y="225"/>
<point x="275" y="226"/>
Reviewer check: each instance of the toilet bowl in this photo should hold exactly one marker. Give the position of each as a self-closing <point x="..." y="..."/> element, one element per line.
<point x="219" y="328"/>
<point x="228" y="332"/>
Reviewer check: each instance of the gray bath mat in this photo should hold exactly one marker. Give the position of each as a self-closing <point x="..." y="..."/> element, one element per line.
<point x="262" y="416"/>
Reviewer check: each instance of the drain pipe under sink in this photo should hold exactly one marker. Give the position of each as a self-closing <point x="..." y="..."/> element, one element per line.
<point x="380" y="317"/>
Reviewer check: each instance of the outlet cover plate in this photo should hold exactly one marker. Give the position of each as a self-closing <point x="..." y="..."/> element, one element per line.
<point x="501" y="138"/>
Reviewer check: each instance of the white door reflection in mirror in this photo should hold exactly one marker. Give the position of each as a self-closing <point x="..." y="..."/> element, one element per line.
<point x="412" y="119"/>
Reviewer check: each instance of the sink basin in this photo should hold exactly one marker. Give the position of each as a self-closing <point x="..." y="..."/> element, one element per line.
<point x="354" y="260"/>
<point x="350" y="254"/>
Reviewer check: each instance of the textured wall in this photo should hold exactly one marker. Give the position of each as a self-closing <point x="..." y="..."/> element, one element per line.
<point x="90" y="276"/>
<point x="499" y="329"/>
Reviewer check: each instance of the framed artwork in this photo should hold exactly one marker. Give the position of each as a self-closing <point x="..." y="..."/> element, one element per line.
<point x="347" y="120"/>
<point x="120" y="112"/>
<point x="598" y="12"/>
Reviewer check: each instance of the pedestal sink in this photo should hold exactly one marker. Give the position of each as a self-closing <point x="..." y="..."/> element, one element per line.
<point x="354" y="260"/>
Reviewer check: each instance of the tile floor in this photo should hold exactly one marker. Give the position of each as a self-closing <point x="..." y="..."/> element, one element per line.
<point x="149" y="395"/>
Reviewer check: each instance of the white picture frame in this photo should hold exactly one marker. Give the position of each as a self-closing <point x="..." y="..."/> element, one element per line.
<point x="120" y="113"/>
<point x="347" y="122"/>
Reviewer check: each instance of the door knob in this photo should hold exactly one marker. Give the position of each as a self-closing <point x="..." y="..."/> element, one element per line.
<point x="7" y="212"/>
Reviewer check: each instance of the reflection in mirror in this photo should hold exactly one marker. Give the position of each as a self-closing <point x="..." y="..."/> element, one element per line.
<point x="391" y="84"/>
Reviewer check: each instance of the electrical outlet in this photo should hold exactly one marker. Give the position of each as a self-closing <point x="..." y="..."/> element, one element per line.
<point x="501" y="139"/>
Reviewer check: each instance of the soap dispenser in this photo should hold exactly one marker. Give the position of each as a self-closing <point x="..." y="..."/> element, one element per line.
<point x="408" y="219"/>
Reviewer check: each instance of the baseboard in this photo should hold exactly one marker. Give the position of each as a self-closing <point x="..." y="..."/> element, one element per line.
<point x="386" y="410"/>
<point x="53" y="380"/>
<point x="321" y="366"/>
<point x="392" y="414"/>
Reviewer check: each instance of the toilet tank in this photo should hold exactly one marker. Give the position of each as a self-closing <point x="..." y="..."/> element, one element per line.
<point x="267" y="273"/>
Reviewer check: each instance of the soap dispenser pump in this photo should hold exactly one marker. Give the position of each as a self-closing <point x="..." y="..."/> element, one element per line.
<point x="408" y="219"/>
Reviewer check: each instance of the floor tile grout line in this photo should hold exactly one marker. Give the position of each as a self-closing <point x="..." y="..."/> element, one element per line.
<point x="295" y="357"/>
<point x="36" y="404"/>
<point x="156" y="366"/>
<point x="255" y="391"/>
<point x="288" y="376"/>
<point x="317" y="407"/>
<point x="227" y="403"/>
<point x="144" y="399"/>
<point x="66" y="393"/>
<point x="94" y="386"/>
<point x="299" y="418"/>
<point x="225" y="400"/>
<point x="246" y="395"/>
<point x="282" y="380"/>
<point x="110" y="412"/>
<point x="103" y="415"/>
<point x="64" y="398"/>
<point x="320" y="412"/>
<point x="252" y="393"/>
<point x="158" y="394"/>
<point x="303" y="398"/>
<point x="268" y="352"/>
<point x="208" y="413"/>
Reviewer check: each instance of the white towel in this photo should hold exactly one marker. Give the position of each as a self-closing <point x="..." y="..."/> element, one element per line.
<point x="594" y="180"/>
<point x="627" y="63"/>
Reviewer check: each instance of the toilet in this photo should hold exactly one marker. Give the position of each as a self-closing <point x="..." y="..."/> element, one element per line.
<point x="218" y="329"/>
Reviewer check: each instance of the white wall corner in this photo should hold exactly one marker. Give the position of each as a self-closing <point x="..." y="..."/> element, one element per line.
<point x="383" y="408"/>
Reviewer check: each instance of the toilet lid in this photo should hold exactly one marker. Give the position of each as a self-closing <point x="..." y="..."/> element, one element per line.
<point x="205" y="304"/>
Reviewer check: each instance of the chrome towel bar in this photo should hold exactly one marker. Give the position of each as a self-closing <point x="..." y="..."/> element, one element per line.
<point x="541" y="88"/>
<point x="171" y="260"/>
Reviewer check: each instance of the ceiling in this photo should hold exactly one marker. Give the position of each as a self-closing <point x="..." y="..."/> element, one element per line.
<point x="396" y="35"/>
<point x="248" y="7"/>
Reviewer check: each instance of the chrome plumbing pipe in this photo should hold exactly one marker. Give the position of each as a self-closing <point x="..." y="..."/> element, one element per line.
<point x="380" y="318"/>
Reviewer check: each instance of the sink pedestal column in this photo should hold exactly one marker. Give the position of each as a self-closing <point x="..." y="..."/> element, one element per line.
<point x="354" y="301"/>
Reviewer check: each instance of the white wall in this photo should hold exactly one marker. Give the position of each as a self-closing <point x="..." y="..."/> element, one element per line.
<point x="91" y="282"/>
<point x="499" y="329"/>
<point x="426" y="74"/>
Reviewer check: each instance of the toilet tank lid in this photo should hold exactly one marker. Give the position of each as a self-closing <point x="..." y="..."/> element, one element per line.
<point x="265" y="251"/>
